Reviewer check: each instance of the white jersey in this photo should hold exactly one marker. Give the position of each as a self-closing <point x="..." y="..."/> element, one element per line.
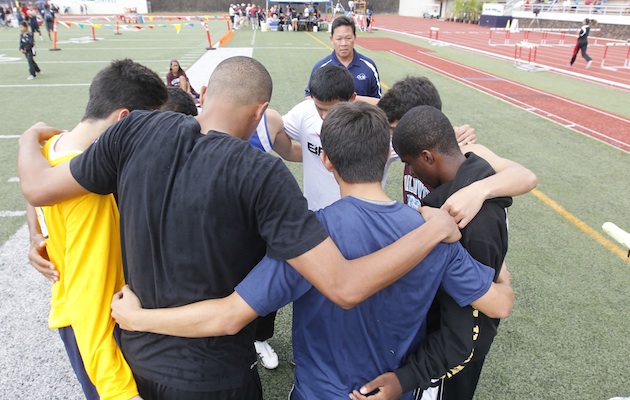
<point x="304" y="125"/>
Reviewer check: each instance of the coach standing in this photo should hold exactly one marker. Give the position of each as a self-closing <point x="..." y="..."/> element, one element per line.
<point x="363" y="69"/>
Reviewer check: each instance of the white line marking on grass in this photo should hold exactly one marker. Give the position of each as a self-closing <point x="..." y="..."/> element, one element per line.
<point x="84" y="49"/>
<point x="12" y="213"/>
<point x="4" y="58"/>
<point x="254" y="37"/>
<point x="14" y="179"/>
<point x="45" y="85"/>
<point x="200" y="71"/>
<point x="9" y="136"/>
<point x="104" y="62"/>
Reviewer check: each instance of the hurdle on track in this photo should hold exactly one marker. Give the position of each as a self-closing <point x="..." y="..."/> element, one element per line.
<point x="433" y="30"/>
<point x="626" y="63"/>
<point x="540" y="35"/>
<point x="529" y="64"/>
<point x="506" y="39"/>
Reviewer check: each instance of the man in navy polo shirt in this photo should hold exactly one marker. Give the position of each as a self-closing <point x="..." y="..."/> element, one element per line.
<point x="366" y="79"/>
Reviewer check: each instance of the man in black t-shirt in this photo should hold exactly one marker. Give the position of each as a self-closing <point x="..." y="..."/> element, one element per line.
<point x="199" y="208"/>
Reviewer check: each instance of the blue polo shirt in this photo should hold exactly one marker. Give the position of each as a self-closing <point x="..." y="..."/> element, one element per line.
<point x="363" y="70"/>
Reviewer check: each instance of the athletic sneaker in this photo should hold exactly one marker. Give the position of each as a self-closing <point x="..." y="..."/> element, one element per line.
<point x="30" y="77"/>
<point x="268" y="357"/>
<point x="588" y="64"/>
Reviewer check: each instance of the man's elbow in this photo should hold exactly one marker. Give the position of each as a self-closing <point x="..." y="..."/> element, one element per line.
<point x="532" y="180"/>
<point x="232" y="328"/>
<point x="502" y="312"/>
<point x="34" y="197"/>
<point x="346" y="296"/>
<point x="502" y="309"/>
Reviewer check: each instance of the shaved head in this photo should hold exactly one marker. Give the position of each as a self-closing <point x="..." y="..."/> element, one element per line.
<point x="241" y="80"/>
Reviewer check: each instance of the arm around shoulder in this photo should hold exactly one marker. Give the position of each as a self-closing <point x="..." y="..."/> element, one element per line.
<point x="215" y="317"/>
<point x="282" y="144"/>
<point x="348" y="283"/>
<point x="42" y="184"/>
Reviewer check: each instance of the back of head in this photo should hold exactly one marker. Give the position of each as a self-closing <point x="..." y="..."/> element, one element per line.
<point x="226" y="82"/>
<point x="332" y="82"/>
<point x="343" y="21"/>
<point x="355" y="137"/>
<point x="408" y="93"/>
<point x="424" y="127"/>
<point x="179" y="101"/>
<point x="124" y="84"/>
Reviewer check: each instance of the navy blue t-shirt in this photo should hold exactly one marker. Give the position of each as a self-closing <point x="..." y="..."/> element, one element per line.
<point x="336" y="350"/>
<point x="366" y="78"/>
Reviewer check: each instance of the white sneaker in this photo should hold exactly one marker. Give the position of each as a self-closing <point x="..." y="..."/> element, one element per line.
<point x="268" y="357"/>
<point x="588" y="64"/>
<point x="30" y="77"/>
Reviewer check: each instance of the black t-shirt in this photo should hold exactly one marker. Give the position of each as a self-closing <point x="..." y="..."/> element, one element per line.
<point x="197" y="214"/>
<point x="486" y="239"/>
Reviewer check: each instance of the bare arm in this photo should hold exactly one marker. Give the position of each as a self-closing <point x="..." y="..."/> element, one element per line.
<point x="511" y="179"/>
<point x="42" y="184"/>
<point x="216" y="317"/>
<point x="282" y="144"/>
<point x="347" y="283"/>
<point x="37" y="253"/>
<point x="499" y="299"/>
<point x="465" y="134"/>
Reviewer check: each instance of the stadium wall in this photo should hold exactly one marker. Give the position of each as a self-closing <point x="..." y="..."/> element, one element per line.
<point x="171" y="6"/>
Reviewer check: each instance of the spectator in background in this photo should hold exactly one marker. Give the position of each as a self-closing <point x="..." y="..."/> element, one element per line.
<point x="34" y="23"/>
<point x="27" y="47"/>
<point x="49" y="20"/>
<point x="176" y="77"/>
<point x="231" y="13"/>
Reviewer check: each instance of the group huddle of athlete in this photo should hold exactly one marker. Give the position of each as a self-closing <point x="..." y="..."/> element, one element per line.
<point x="172" y="239"/>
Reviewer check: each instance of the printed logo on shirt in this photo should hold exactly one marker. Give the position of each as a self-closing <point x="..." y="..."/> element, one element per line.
<point x="361" y="77"/>
<point x="313" y="148"/>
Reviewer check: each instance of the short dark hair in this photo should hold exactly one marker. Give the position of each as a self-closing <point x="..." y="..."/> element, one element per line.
<point x="408" y="93"/>
<point x="355" y="137"/>
<point x="343" y="21"/>
<point x="124" y="84"/>
<point x="424" y="127"/>
<point x="227" y="76"/>
<point x="179" y="101"/>
<point x="332" y="82"/>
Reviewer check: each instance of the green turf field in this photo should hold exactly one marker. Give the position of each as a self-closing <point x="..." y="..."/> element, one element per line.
<point x="569" y="334"/>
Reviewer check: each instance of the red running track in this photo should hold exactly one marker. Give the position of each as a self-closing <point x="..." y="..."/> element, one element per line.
<point x="552" y="55"/>
<point x="604" y="126"/>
